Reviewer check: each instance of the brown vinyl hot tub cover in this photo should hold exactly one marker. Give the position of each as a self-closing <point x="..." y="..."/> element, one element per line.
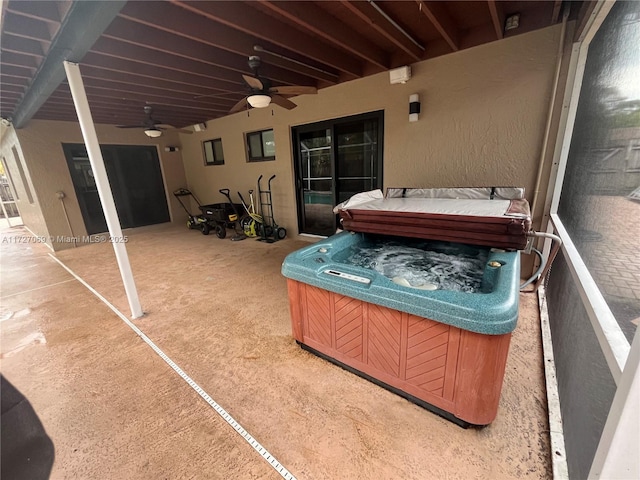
<point x="477" y="216"/>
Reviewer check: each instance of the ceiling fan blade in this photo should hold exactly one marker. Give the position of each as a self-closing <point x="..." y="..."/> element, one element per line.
<point x="131" y="126"/>
<point x="253" y="82"/>
<point x="294" y="90"/>
<point x="283" y="102"/>
<point x="241" y="105"/>
<point x="166" y="126"/>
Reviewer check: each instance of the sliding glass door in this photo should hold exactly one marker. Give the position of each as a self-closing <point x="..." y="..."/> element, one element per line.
<point x="315" y="182"/>
<point x="334" y="160"/>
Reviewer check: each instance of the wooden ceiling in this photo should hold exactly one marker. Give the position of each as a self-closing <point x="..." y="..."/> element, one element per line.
<point x="186" y="58"/>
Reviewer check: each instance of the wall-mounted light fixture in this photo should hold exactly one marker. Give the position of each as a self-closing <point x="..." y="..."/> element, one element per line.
<point x="512" y="22"/>
<point x="400" y="75"/>
<point x="414" y="107"/>
<point x="153" y="132"/>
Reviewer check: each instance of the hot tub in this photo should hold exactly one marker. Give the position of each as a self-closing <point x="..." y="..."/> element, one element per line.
<point x="434" y="333"/>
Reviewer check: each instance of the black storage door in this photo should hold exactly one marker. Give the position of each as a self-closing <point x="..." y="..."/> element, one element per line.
<point x="136" y="183"/>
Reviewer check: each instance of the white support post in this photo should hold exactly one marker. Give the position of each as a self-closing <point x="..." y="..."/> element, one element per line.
<point x="102" y="183"/>
<point x="618" y="450"/>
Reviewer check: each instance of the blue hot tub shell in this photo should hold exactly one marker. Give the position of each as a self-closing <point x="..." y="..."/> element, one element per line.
<point x="492" y="311"/>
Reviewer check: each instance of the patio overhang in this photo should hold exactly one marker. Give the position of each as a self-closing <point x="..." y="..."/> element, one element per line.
<point x="186" y="59"/>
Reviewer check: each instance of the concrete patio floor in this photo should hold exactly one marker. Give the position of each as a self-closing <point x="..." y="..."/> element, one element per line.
<point x="219" y="309"/>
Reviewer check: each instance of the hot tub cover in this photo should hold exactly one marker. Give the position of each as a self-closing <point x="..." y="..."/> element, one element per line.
<point x="495" y="217"/>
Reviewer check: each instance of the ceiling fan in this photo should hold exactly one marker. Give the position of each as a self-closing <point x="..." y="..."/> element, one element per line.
<point x="262" y="93"/>
<point x="152" y="127"/>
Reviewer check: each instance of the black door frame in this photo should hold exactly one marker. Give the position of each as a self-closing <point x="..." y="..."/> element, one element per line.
<point x="297" y="130"/>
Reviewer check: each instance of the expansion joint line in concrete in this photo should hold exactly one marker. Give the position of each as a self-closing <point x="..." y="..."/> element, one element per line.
<point x="37" y="288"/>
<point x="277" y="466"/>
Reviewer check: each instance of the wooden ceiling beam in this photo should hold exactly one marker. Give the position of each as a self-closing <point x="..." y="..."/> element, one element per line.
<point x="147" y="94"/>
<point x="144" y="72"/>
<point x="11" y="88"/>
<point x="162" y="114"/>
<point x="19" y="72"/>
<point x="132" y="117"/>
<point x="10" y="95"/>
<point x="442" y="21"/>
<point x="181" y="122"/>
<point x="497" y="17"/>
<point x="324" y="77"/>
<point x="114" y="120"/>
<point x="70" y="115"/>
<point x="314" y="19"/>
<point x="68" y="108"/>
<point x="83" y="24"/>
<point x="136" y="93"/>
<point x="16" y="81"/>
<point x="163" y="63"/>
<point x="56" y="117"/>
<point x="244" y="19"/>
<point x="99" y="96"/>
<point x="124" y="77"/>
<point x="206" y="51"/>
<point x="23" y="46"/>
<point x="130" y="108"/>
<point x="26" y="27"/>
<point x="127" y="39"/>
<point x="18" y="60"/>
<point x="46" y="11"/>
<point x="380" y="23"/>
<point x="166" y="16"/>
<point x="103" y="95"/>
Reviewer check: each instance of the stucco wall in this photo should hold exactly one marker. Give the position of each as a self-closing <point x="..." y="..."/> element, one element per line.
<point x="30" y="212"/>
<point x="41" y="143"/>
<point x="482" y="121"/>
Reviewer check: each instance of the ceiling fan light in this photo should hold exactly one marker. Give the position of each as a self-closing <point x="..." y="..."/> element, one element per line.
<point x="153" y="132"/>
<point x="259" y="100"/>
